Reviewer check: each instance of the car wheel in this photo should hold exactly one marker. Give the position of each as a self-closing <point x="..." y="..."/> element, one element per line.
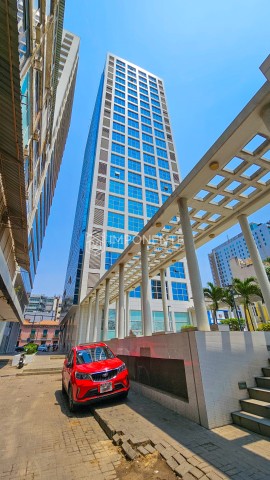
<point x="71" y="405"/>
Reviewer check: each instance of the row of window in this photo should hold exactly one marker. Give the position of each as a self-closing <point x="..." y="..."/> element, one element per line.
<point x="134" y="192"/>
<point x="133" y="142"/>
<point x="120" y="127"/>
<point x="119" y="173"/>
<point x="133" y="113"/>
<point x="136" y="178"/>
<point x="120" y="162"/>
<point x="117" y="148"/>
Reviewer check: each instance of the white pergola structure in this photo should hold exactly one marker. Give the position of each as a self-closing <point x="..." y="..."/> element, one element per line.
<point x="230" y="182"/>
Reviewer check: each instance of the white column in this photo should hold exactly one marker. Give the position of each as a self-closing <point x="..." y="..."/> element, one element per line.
<point x="256" y="260"/>
<point x="89" y="319"/>
<point x="121" y="311"/>
<point x="106" y="310"/>
<point x="193" y="268"/>
<point x="142" y="320"/>
<point x="146" y="305"/>
<point x="127" y="314"/>
<point x="164" y="300"/>
<point x="81" y="324"/>
<point x="96" y="318"/>
<point x="116" y="318"/>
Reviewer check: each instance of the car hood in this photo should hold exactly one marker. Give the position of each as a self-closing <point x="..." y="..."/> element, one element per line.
<point x="108" y="364"/>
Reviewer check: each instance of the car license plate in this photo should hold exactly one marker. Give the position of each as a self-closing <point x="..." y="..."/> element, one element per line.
<point x="106" y="387"/>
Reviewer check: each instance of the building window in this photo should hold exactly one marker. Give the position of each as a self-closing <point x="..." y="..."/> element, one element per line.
<point x="147" y="138"/>
<point x="133" y="143"/>
<point x="132" y="107"/>
<point x="151" y="183"/>
<point x="164" y="175"/>
<point x="118" y="148"/>
<point x="117" y="173"/>
<point x="157" y="117"/>
<point x="134" y="154"/>
<point x="179" y="291"/>
<point x="136" y="293"/>
<point x="117" y="160"/>
<point x="120" y="87"/>
<point x="115" y="240"/>
<point x="162" y="153"/>
<point x="133" y="123"/>
<point x="136" y="322"/>
<point x="118" y="137"/>
<point x="181" y="320"/>
<point x="158" y="125"/>
<point x="151" y="196"/>
<point x="150" y="170"/>
<point x="148" y="148"/>
<point x="145" y="120"/>
<point x="135" y="224"/>
<point x="120" y="94"/>
<point x="134" y="178"/>
<point x="117" y="187"/>
<point x="133" y="115"/>
<point x="145" y="112"/>
<point x="160" y="135"/>
<point x="163" y="163"/>
<point x="147" y="129"/>
<point x="156" y="289"/>
<point x="119" y="118"/>
<point x="132" y="92"/>
<point x="119" y="80"/>
<point x="119" y="101"/>
<point x="132" y="99"/>
<point x="132" y="165"/>
<point x="149" y="158"/>
<point x="160" y="143"/>
<point x="119" y="109"/>
<point x="110" y="259"/>
<point x="135" y="207"/>
<point x="165" y="187"/>
<point x="151" y="210"/>
<point x="135" y="192"/>
<point x="116" y="203"/>
<point x="119" y="127"/>
<point x="116" y="220"/>
<point x="177" y="270"/>
<point x="134" y="133"/>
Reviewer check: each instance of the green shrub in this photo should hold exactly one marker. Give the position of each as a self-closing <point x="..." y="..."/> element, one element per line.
<point x="188" y="328"/>
<point x="265" y="327"/>
<point x="30" y="348"/>
<point x="234" y="323"/>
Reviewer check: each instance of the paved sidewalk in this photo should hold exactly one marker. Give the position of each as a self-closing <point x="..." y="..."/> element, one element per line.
<point x="189" y="449"/>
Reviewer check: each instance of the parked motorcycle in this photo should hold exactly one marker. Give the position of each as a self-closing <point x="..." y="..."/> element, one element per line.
<point x="21" y="360"/>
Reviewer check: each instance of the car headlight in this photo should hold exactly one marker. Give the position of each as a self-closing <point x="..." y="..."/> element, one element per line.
<point x="83" y="376"/>
<point x="122" y="367"/>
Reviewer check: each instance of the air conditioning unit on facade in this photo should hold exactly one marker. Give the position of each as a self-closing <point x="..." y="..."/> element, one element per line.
<point x="26" y="151"/>
<point x="36" y="135"/>
<point x="38" y="63"/>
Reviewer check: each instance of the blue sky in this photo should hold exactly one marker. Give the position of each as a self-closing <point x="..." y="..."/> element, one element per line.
<point x="208" y="54"/>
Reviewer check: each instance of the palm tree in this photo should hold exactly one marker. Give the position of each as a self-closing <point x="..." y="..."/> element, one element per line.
<point x="214" y="294"/>
<point x="228" y="298"/>
<point x="246" y="289"/>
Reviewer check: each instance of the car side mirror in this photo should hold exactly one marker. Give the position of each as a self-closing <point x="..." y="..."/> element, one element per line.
<point x="69" y="364"/>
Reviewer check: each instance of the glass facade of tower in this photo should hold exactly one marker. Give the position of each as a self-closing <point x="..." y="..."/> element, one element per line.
<point x="134" y="172"/>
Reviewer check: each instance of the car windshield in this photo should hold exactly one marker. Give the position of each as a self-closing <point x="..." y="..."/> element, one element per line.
<point x="93" y="354"/>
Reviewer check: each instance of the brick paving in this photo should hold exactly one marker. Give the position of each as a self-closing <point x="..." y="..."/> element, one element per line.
<point x="190" y="450"/>
<point x="40" y="439"/>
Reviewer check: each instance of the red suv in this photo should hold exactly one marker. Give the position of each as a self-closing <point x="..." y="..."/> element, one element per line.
<point x="91" y="372"/>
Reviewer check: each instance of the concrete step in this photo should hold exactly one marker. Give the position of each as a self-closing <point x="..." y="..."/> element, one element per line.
<point x="252" y="422"/>
<point x="41" y="371"/>
<point x="257" y="407"/>
<point x="266" y="371"/>
<point x="263" y="382"/>
<point x="259" y="394"/>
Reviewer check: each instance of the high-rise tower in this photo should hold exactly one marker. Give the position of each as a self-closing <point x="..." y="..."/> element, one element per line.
<point x="38" y="66"/>
<point x="130" y="168"/>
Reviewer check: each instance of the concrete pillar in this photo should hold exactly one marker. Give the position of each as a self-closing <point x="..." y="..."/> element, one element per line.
<point x="116" y="318"/>
<point x="193" y="268"/>
<point x="142" y="320"/>
<point x="164" y="300"/>
<point x="89" y="319"/>
<point x="146" y="299"/>
<point x="256" y="259"/>
<point x="106" y="310"/>
<point x="96" y="317"/>
<point x="121" y="312"/>
<point x="79" y="338"/>
<point x="127" y="314"/>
